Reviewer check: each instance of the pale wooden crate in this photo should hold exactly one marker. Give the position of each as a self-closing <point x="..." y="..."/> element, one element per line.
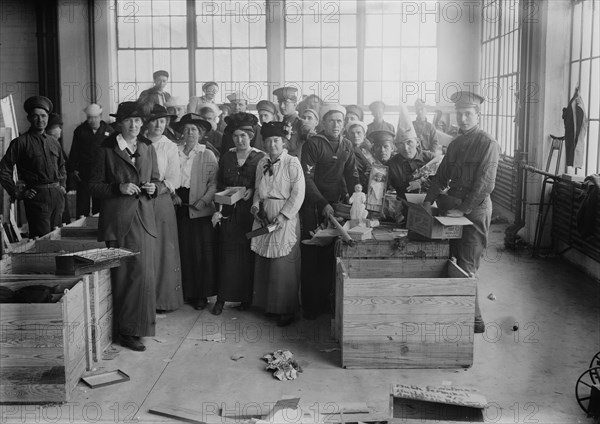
<point x="404" y="314"/>
<point x="44" y="350"/>
<point x="101" y="312"/>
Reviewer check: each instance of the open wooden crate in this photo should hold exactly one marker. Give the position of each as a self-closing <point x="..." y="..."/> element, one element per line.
<point x="412" y="313"/>
<point x="44" y="345"/>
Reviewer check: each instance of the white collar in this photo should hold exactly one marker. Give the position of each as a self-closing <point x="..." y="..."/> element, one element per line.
<point x="122" y="143"/>
<point x="196" y="149"/>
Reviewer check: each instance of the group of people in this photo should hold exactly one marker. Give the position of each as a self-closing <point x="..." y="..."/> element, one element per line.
<point x="154" y="173"/>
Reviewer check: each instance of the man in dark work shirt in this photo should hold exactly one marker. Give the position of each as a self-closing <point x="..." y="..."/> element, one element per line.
<point x="326" y="159"/>
<point x="469" y="170"/>
<point x="41" y="165"/>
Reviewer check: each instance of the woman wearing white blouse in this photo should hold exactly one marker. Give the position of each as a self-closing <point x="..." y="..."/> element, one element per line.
<point x="167" y="264"/>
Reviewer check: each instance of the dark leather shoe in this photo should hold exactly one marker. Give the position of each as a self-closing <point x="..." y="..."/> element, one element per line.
<point x="218" y="308"/>
<point x="244" y="306"/>
<point x="133" y="343"/>
<point x="284" y="320"/>
<point x="479" y="326"/>
<point x="201" y="304"/>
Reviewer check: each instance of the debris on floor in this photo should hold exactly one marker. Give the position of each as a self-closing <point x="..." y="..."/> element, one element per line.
<point x="284" y="364"/>
<point x="218" y="338"/>
<point x="492" y="296"/>
<point x="333" y="349"/>
<point x="177" y="413"/>
<point x="236" y="357"/>
<point x="110" y="353"/>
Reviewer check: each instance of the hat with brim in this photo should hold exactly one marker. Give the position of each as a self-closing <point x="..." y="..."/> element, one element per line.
<point x="128" y="110"/>
<point x="158" y="112"/>
<point x="361" y="124"/>
<point x="273" y="129"/>
<point x="328" y="108"/>
<point x="241" y="121"/>
<point x="267" y="106"/>
<point x="53" y="120"/>
<point x="405" y="130"/>
<point x="236" y="97"/>
<point x="161" y="73"/>
<point x="194" y="119"/>
<point x="314" y="112"/>
<point x="213" y="107"/>
<point x="382" y="136"/>
<point x="355" y="110"/>
<point x="462" y="99"/>
<point x="40" y="102"/>
<point x="375" y="104"/>
<point x="208" y="84"/>
<point x="286" y="93"/>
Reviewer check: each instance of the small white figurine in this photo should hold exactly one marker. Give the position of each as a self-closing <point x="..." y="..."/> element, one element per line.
<point x="358" y="200"/>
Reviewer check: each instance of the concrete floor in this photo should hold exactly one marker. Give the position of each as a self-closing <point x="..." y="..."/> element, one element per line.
<point x="527" y="376"/>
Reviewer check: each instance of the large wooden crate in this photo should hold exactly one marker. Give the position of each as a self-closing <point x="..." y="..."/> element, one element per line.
<point x="101" y="306"/>
<point x="410" y="313"/>
<point x="43" y="346"/>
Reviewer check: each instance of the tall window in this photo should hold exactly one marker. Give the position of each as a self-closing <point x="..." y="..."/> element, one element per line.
<point x="232" y="47"/>
<point x="499" y="70"/>
<point x="321" y="54"/>
<point x="584" y="71"/>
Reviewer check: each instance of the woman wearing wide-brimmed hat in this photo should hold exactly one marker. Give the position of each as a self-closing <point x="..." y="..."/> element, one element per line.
<point x="126" y="177"/>
<point x="167" y="264"/>
<point x="194" y="201"/>
<point x="237" y="168"/>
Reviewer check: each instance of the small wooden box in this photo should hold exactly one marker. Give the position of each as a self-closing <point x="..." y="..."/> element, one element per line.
<point x="434" y="227"/>
<point x="230" y="195"/>
<point x="43" y="345"/>
<point x="413" y="313"/>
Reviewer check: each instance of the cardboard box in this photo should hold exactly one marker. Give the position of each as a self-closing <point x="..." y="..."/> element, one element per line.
<point x="230" y="196"/>
<point x="360" y="233"/>
<point x="434" y="226"/>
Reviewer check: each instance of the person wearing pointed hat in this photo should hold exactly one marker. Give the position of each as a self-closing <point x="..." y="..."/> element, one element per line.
<point x="327" y="161"/>
<point x="41" y="166"/>
<point x="237" y="102"/>
<point x="126" y="177"/>
<point x="426" y="132"/>
<point x="377" y="109"/>
<point x="278" y="196"/>
<point x="469" y="170"/>
<point x="237" y="168"/>
<point x="155" y="94"/>
<point x="87" y="138"/>
<point x="194" y="209"/>
<point x="210" y="90"/>
<point x="211" y="112"/>
<point x="167" y="261"/>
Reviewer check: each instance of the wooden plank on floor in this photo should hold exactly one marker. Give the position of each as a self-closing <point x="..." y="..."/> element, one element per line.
<point x="177" y="413"/>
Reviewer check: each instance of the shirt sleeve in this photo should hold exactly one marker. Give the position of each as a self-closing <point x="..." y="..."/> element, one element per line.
<point x="484" y="178"/>
<point x="350" y="172"/>
<point x="298" y="189"/>
<point x="309" y="158"/>
<point x="439" y="180"/>
<point x="212" y="169"/>
<point x="7" y="165"/>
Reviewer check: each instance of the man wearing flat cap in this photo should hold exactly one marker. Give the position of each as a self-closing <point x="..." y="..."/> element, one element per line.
<point x="287" y="99"/>
<point x="41" y="166"/>
<point x="327" y="161"/>
<point x="425" y="130"/>
<point x="377" y="109"/>
<point x="87" y="138"/>
<point x="156" y="94"/>
<point x="237" y="102"/>
<point x="210" y="90"/>
<point x="210" y="112"/>
<point x="469" y="170"/>
<point x="267" y="112"/>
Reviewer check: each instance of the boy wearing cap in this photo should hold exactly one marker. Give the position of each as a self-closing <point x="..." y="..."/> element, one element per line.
<point x="327" y="160"/>
<point x="156" y="94"/>
<point x="288" y="100"/>
<point x="267" y="112"/>
<point x="377" y="108"/>
<point x="87" y="138"/>
<point x="469" y="170"/>
<point x="210" y="90"/>
<point x="41" y="165"/>
<point x="210" y="112"/>
<point x="425" y="130"/>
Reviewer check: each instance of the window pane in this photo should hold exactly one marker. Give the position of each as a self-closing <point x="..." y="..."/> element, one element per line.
<point x="410" y="64"/>
<point x="160" y="7"/>
<point x="330" y="92"/>
<point x="258" y="65"/>
<point x="373" y="31"/>
<point x="428" y="63"/>
<point x="143" y="32"/>
<point x="428" y="33"/>
<point x="372" y="92"/>
<point x="373" y="64"/>
<point x="143" y="66"/>
<point x="391" y="30"/>
<point x="409" y="28"/>
<point x="240" y="32"/>
<point x="204" y="65"/>
<point x="178" y="8"/>
<point x="347" y="6"/>
<point x="311" y="65"/>
<point x="587" y="28"/>
<point x="596" y="24"/>
<point x="331" y="71"/>
<point x="258" y="32"/>
<point x="574" y="75"/>
<point x="312" y="33"/>
<point x="129" y="91"/>
<point x="576" y="31"/>
<point x="374" y="7"/>
<point x="293" y="33"/>
<point x="240" y="62"/>
<point x="391" y="64"/>
<point x="348" y="30"/>
<point x="126" y="35"/>
<point x="161" y="59"/>
<point x="390" y="92"/>
<point x="161" y="32"/>
<point x="348" y="93"/>
<point x="293" y="65"/>
<point x="126" y="65"/>
<point x="143" y="8"/>
<point x="180" y="89"/>
<point x="594" y="100"/>
<point x="180" y="70"/>
<point x="204" y="27"/>
<point x="178" y="32"/>
<point x="592" y="162"/>
<point x="223" y="64"/>
<point x="330" y="33"/>
<point x="221" y="31"/>
<point x="348" y="65"/>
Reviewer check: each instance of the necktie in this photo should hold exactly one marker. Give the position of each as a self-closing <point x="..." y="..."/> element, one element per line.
<point x="269" y="167"/>
<point x="132" y="155"/>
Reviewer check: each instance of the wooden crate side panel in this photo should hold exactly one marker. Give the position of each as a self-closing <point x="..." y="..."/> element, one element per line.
<point x="402" y="268"/>
<point x="75" y="327"/>
<point x="454" y="271"/>
<point x="446" y="325"/>
<point x="339" y="301"/>
<point x="62" y="283"/>
<point x="406" y="306"/>
<point x="105" y="331"/>
<point x="382" y="287"/>
<point x="385" y="353"/>
<point x="67" y="245"/>
<point x="391" y="249"/>
<point x="31" y="263"/>
<point x="17" y="393"/>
